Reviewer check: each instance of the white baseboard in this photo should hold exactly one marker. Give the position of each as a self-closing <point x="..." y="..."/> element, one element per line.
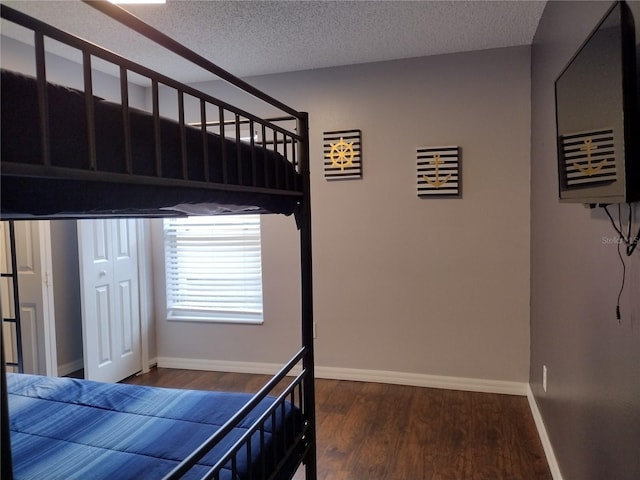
<point x="359" y="375"/>
<point x="70" y="367"/>
<point x="152" y="362"/>
<point x="218" y="365"/>
<point x="423" y="380"/>
<point x="78" y="364"/>
<point x="544" y="437"/>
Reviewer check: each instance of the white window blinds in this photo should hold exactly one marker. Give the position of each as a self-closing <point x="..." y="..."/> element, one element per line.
<point x="213" y="268"/>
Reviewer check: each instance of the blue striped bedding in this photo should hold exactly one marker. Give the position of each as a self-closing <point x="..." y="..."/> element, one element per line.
<point x="64" y="428"/>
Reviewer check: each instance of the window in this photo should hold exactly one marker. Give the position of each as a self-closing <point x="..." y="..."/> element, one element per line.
<point x="213" y="268"/>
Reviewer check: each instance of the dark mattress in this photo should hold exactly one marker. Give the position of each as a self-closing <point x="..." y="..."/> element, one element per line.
<point x="64" y="428"/>
<point x="21" y="143"/>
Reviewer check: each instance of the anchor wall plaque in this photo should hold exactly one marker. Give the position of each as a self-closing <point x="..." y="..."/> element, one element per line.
<point x="438" y="172"/>
<point x="343" y="155"/>
<point x="589" y="157"/>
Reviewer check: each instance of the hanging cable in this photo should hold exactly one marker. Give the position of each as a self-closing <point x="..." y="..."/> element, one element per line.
<point x="624" y="267"/>
<point x="624" y="274"/>
<point x="630" y="245"/>
<point x="613" y="222"/>
<point x="633" y="241"/>
<point x="629" y="241"/>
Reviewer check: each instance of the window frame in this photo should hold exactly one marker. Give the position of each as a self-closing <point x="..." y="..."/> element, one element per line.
<point x="188" y="311"/>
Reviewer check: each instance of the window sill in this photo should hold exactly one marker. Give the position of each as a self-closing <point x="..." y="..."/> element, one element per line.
<point x="234" y="321"/>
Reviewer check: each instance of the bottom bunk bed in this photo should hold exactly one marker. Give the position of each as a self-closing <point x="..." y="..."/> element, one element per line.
<point x="70" y="429"/>
<point x="65" y="428"/>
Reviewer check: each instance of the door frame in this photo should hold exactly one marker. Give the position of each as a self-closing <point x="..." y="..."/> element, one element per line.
<point x="145" y="288"/>
<point x="48" y="311"/>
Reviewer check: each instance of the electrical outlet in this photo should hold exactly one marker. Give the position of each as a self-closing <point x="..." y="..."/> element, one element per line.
<point x="544" y="377"/>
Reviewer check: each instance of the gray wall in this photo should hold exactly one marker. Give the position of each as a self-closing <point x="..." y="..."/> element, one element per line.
<point x="592" y="405"/>
<point x="435" y="287"/>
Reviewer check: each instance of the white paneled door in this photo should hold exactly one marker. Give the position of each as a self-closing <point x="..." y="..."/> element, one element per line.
<point x="110" y="298"/>
<point x="33" y="259"/>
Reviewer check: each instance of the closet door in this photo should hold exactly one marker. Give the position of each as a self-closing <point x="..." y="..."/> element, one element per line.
<point x="110" y="298"/>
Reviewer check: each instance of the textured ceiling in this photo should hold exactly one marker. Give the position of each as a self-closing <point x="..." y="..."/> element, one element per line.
<point x="260" y="37"/>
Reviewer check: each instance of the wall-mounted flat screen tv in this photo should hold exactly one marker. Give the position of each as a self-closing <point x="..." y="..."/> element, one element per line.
<point x="597" y="114"/>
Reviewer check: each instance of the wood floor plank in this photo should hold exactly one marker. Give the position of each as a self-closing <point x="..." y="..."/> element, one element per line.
<point x="385" y="426"/>
<point x="371" y="431"/>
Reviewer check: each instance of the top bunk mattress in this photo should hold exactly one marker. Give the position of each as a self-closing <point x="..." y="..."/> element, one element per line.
<point x="243" y="178"/>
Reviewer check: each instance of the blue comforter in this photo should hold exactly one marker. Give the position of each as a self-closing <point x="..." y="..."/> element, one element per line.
<point x="64" y="428"/>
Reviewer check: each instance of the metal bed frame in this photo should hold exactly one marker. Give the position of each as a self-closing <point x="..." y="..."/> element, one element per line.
<point x="300" y="390"/>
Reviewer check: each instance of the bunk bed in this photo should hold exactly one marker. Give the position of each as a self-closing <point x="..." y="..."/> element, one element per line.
<point x="68" y="154"/>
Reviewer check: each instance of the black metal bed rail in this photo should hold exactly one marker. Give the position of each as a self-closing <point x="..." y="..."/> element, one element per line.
<point x="14" y="168"/>
<point x="232" y="122"/>
<point x="134" y="23"/>
<point x="46" y="30"/>
<point x="288" y="447"/>
<point x="240" y="415"/>
<point x="89" y="50"/>
<point x="287" y="141"/>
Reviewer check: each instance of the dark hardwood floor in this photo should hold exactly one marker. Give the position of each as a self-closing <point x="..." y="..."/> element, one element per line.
<point x="372" y="431"/>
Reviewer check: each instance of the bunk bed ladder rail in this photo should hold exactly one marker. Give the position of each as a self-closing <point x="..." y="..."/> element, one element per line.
<point x="7" y="461"/>
<point x="6" y="464"/>
<point x="15" y="320"/>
